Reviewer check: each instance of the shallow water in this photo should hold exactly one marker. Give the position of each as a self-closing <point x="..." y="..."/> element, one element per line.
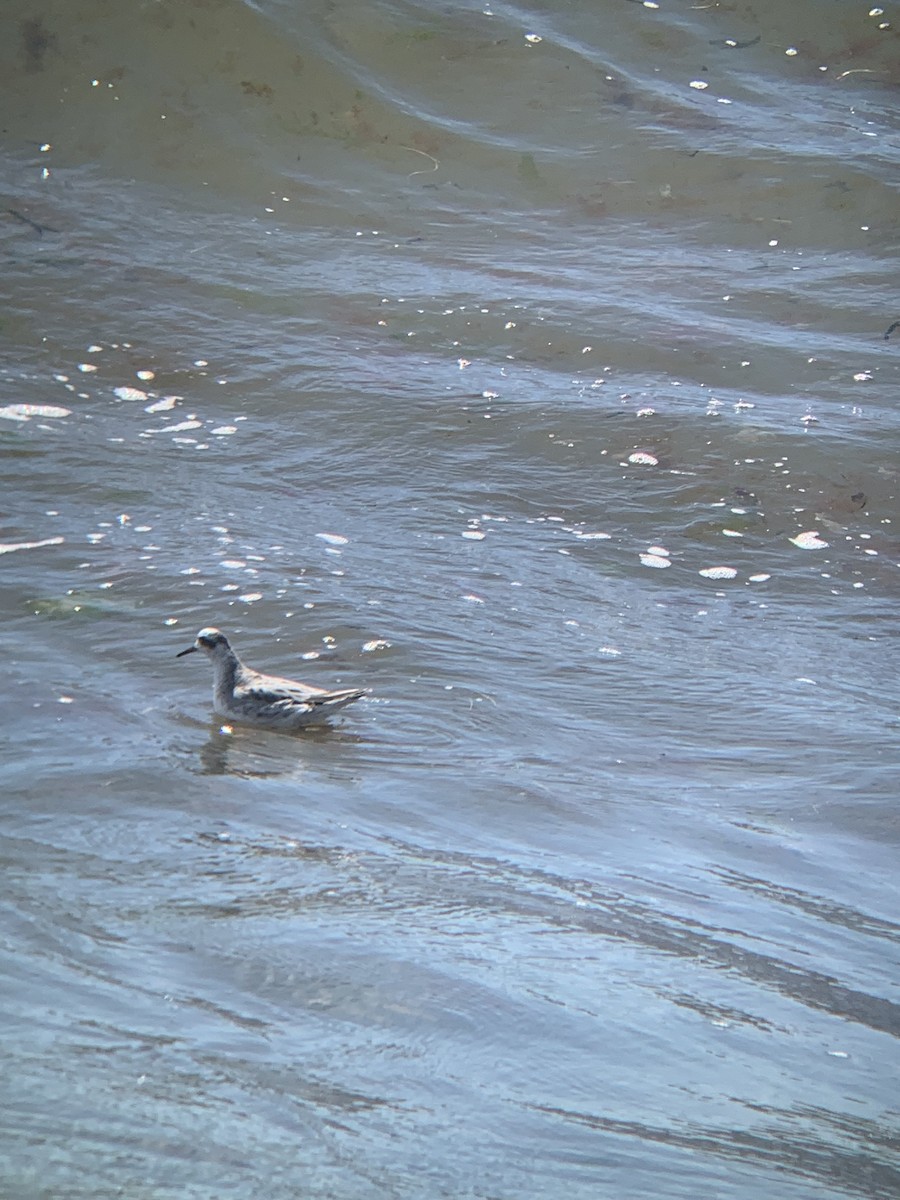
<point x="479" y="358"/>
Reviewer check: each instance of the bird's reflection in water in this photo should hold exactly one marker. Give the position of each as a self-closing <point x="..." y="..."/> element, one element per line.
<point x="258" y="754"/>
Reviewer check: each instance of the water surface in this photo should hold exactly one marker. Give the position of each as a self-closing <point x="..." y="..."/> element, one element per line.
<point x="483" y="357"/>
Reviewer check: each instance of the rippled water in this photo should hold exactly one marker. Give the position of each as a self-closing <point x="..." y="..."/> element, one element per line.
<point x="528" y="367"/>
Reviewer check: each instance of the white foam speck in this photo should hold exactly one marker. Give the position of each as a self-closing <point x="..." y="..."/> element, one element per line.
<point x="333" y="539"/>
<point x="642" y="459"/>
<point x="129" y="393"/>
<point x="655" y="560"/>
<point x="718" y="572"/>
<point x="809" y="540"/>
<point x="9" y="547"/>
<point x="24" y="412"/>
<point x="165" y="405"/>
<point x="474" y="535"/>
<point x="179" y="427"/>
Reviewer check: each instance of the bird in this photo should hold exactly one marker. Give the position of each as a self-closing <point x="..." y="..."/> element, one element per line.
<point x="270" y="701"/>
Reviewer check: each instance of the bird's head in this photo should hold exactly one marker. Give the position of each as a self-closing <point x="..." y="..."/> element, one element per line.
<point x="213" y="641"/>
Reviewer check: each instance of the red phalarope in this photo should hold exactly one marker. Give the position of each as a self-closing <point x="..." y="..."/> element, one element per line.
<point x="249" y="696"/>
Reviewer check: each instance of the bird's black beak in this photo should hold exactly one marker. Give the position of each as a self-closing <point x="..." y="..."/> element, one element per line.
<point x="182" y="653"/>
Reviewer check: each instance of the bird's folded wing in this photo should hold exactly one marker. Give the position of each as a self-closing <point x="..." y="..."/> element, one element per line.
<point x="281" y="694"/>
<point x="280" y="697"/>
<point x="340" y="697"/>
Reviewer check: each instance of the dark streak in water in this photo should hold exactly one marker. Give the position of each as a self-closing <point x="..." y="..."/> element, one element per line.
<point x="793" y="1153"/>
<point x="37" y="40"/>
<point x="41" y="229"/>
<point x="731" y="44"/>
